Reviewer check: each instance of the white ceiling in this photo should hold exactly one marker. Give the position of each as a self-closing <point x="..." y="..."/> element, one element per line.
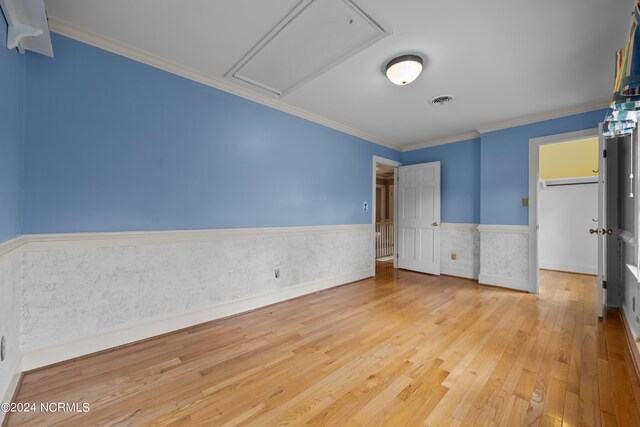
<point x="501" y="59"/>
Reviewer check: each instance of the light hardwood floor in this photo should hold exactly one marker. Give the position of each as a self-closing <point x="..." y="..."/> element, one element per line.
<point x="403" y="349"/>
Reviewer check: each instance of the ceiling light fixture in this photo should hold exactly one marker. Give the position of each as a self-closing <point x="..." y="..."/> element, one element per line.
<point x="404" y="69"/>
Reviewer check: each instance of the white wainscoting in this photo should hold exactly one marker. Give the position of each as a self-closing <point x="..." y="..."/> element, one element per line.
<point x="464" y="240"/>
<point x="10" y="272"/>
<point x="504" y="256"/>
<point x="86" y="292"/>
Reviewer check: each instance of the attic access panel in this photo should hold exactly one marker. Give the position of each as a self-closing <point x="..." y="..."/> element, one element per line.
<point x="315" y="36"/>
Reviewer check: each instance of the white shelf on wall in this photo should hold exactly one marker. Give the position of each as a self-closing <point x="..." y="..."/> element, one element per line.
<point x="28" y="26"/>
<point x="569" y="181"/>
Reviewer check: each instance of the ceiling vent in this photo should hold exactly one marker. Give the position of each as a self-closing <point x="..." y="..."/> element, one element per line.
<point x="441" y="99"/>
<point x="314" y="37"/>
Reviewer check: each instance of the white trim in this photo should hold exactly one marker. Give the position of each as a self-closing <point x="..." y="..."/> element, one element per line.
<point x="543" y="117"/>
<point x="113" y="46"/>
<point x="570" y="268"/>
<point x="34" y="242"/>
<point x="508" y="229"/>
<point x="565" y="137"/>
<point x="11" y="245"/>
<point x="508" y="124"/>
<point x="442" y="141"/>
<point x="505" y="282"/>
<point x="36" y="358"/>
<point x="459" y="272"/>
<point x="7" y="394"/>
<point x="394" y="164"/>
<point x="459" y="226"/>
<point x="534" y="188"/>
<point x="135" y="238"/>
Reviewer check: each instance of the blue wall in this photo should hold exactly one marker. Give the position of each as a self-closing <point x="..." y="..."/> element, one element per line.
<point x="504" y="169"/>
<point x="460" y="181"/>
<point x="12" y="75"/>
<point x="484" y="180"/>
<point x="112" y="144"/>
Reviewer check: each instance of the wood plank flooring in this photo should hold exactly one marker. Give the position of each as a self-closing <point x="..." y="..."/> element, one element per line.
<point x="404" y="349"/>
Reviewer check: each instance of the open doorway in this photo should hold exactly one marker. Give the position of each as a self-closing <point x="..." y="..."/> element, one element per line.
<point x="568" y="214"/>
<point x="568" y="246"/>
<point x="385" y="230"/>
<point x="384" y="213"/>
<point x="568" y="206"/>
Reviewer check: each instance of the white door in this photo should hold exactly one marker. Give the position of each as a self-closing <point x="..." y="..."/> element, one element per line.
<point x="602" y="225"/>
<point x="418" y="219"/>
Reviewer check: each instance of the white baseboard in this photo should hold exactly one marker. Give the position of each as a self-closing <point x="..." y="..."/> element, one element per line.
<point x="47" y="356"/>
<point x="505" y="282"/>
<point x="7" y="395"/>
<point x="570" y="268"/>
<point x="459" y="272"/>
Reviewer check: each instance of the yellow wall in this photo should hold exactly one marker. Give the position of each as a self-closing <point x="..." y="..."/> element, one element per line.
<point x="569" y="159"/>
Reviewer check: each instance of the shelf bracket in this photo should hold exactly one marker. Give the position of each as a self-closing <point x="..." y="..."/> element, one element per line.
<point x="28" y="28"/>
<point x="19" y="31"/>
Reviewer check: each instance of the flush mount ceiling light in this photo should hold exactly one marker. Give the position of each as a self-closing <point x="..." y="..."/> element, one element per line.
<point x="404" y="69"/>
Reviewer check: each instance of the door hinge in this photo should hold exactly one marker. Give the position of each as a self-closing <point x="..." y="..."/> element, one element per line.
<point x="604" y="154"/>
<point x="604" y="284"/>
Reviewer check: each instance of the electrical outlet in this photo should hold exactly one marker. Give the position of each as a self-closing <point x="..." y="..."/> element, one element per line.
<point x="365" y="206"/>
<point x="454" y="255"/>
<point x="277" y="273"/>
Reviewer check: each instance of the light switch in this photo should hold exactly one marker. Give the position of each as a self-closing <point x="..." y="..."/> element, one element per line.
<point x="365" y="207"/>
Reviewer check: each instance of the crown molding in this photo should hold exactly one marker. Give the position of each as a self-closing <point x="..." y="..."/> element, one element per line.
<point x="118" y="48"/>
<point x="508" y="124"/>
<point x="442" y="141"/>
<point x="69" y="30"/>
<point x="542" y="117"/>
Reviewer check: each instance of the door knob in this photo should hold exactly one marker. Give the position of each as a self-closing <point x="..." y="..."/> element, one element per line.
<point x="434" y="224"/>
<point x="608" y="231"/>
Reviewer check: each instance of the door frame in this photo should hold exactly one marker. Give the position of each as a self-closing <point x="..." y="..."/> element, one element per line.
<point x="534" y="178"/>
<point x="395" y="164"/>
